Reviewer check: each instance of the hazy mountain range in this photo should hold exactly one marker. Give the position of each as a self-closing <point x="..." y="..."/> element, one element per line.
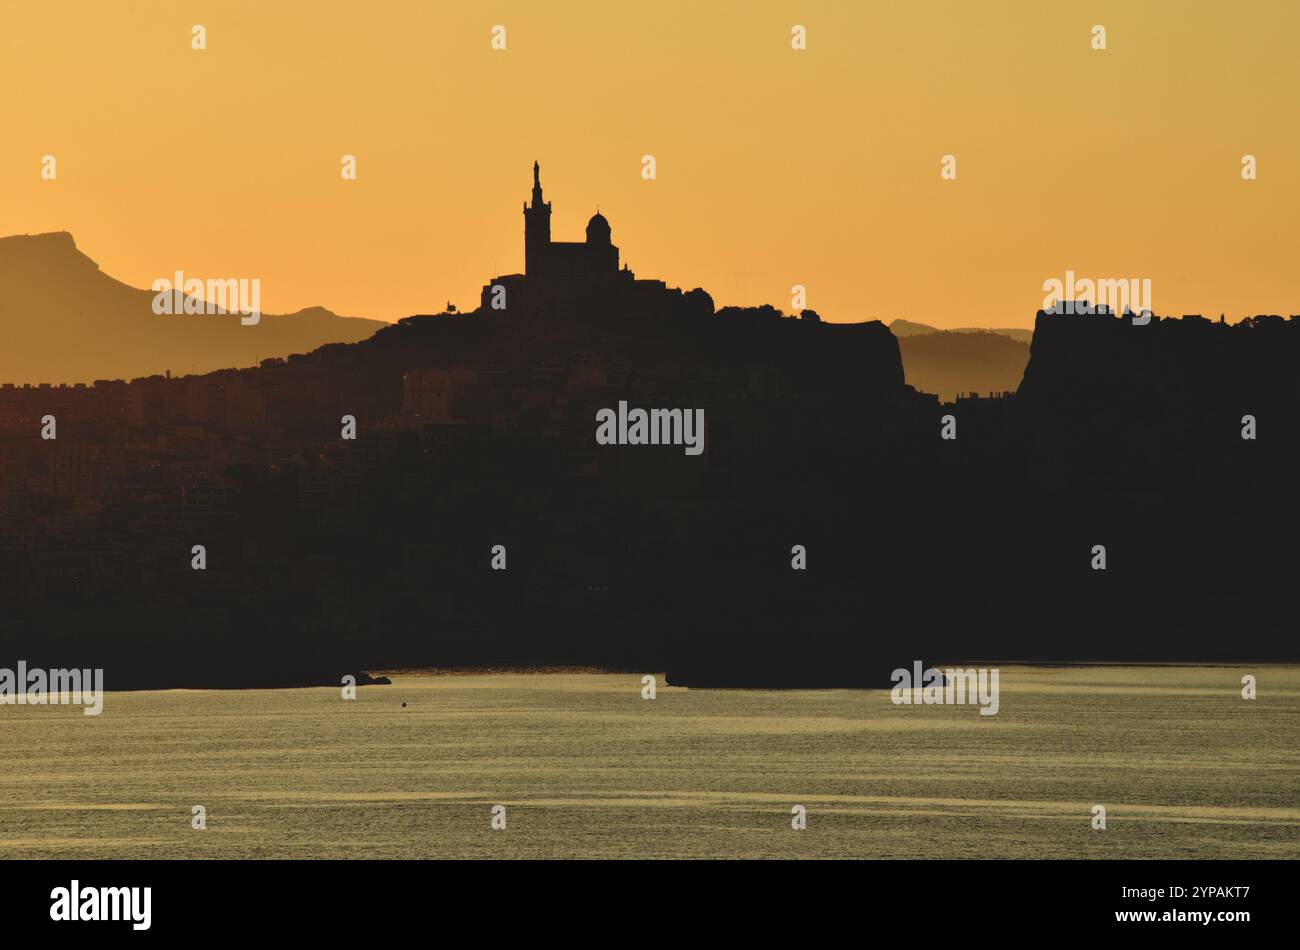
<point x="903" y="328"/>
<point x="948" y="362"/>
<point x="65" y="321"/>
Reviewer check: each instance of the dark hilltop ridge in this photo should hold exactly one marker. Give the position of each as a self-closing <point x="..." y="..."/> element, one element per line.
<point x="1129" y="437"/>
<point x="476" y="447"/>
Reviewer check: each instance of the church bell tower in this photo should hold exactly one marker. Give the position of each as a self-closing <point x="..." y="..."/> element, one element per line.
<point x="537" y="229"/>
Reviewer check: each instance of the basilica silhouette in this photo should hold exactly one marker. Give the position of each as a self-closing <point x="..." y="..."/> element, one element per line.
<point x="572" y="277"/>
<point x="592" y="259"/>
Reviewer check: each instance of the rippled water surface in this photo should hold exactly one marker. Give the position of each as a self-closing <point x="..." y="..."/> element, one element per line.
<point x="587" y="768"/>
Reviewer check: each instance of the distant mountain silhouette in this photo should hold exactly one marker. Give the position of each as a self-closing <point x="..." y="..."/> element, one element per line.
<point x="961" y="361"/>
<point x="62" y="320"/>
<point x="905" y="328"/>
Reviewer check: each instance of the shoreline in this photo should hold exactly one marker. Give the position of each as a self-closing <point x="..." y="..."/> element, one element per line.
<point x="384" y="676"/>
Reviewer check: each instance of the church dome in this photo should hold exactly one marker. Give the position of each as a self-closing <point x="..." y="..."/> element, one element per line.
<point x="598" y="229"/>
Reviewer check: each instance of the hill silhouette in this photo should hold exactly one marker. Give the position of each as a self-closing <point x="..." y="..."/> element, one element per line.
<point x="957" y="361"/>
<point x="477" y="430"/>
<point x="905" y="328"/>
<point x="440" y="494"/>
<point x="65" y="321"/>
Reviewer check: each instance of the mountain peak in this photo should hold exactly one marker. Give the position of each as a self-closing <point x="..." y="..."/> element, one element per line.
<point x="62" y="239"/>
<point x="49" y="255"/>
<point x="48" y="242"/>
<point x="64" y="321"/>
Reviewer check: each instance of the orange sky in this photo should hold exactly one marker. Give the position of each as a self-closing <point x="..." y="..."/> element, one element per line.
<point x="775" y="167"/>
